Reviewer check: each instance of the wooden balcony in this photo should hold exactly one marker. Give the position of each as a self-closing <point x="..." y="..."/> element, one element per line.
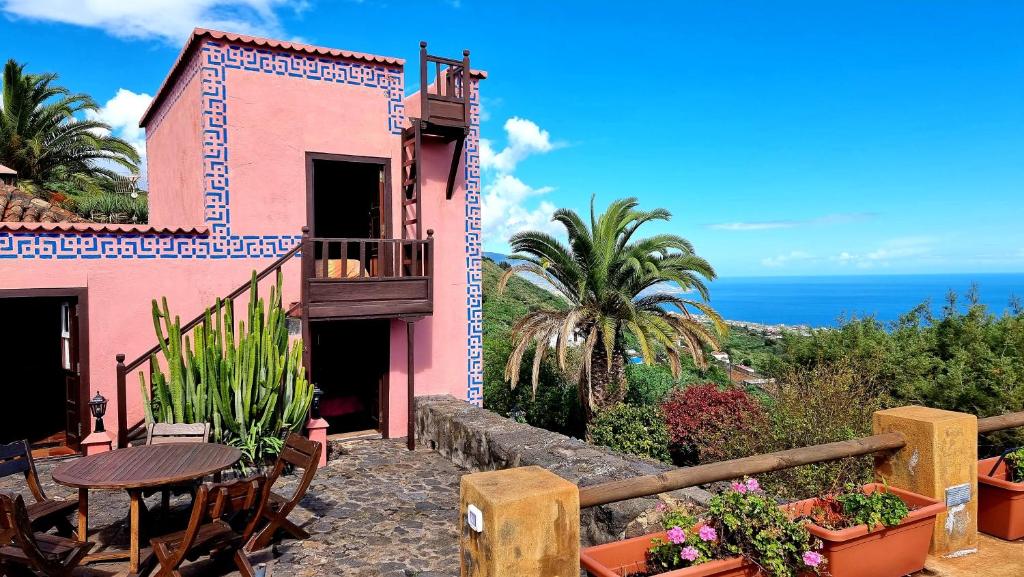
<point x="444" y="104"/>
<point x="364" y="278"/>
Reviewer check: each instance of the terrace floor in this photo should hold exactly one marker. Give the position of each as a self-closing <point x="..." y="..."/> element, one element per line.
<point x="375" y="510"/>
<point x="379" y="510"/>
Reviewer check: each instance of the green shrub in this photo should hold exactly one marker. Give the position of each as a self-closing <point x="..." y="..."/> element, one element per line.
<point x="110" y="207"/>
<point x="811" y="406"/>
<point x="635" y="430"/>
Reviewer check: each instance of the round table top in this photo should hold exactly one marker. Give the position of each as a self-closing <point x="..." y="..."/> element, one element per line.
<point x="146" y="466"/>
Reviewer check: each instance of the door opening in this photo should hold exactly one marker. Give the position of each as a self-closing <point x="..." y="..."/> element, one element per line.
<point x="348" y="198"/>
<point x="350" y="362"/>
<point x="45" y="389"/>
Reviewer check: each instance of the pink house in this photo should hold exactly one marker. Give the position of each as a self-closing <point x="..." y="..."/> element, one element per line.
<point x="250" y="140"/>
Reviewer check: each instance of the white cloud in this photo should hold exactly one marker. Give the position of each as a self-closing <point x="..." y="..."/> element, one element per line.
<point x="891" y="250"/>
<point x="525" y="138"/>
<point x="828" y="219"/>
<point x="504" y="211"/>
<point x="782" y="259"/>
<point x="169" y="20"/>
<point x="509" y="205"/>
<point x="122" y="114"/>
<point x="743" y="226"/>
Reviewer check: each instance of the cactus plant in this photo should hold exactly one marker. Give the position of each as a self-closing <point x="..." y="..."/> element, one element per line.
<point x="249" y="384"/>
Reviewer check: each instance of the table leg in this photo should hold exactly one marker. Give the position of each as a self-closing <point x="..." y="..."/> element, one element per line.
<point x="136" y="505"/>
<point x="83" y="514"/>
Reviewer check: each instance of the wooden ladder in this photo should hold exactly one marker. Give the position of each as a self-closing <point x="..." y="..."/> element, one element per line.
<point x="412" y="212"/>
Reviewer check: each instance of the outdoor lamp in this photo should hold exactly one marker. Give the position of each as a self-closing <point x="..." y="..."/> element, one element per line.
<point x="98" y="406"/>
<point x="314" y="409"/>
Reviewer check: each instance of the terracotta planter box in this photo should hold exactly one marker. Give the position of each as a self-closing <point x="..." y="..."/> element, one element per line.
<point x="1000" y="502"/>
<point x="881" y="552"/>
<point x="624" y="557"/>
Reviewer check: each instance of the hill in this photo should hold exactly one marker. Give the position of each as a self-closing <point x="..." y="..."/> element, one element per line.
<point x="520" y="297"/>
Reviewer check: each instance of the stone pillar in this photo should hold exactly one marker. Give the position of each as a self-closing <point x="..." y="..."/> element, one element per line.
<point x="525" y="522"/>
<point x="939" y="461"/>
<point x="317" y="431"/>
<point x="96" y="443"/>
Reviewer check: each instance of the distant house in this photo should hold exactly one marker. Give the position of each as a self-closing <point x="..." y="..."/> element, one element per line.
<point x="8" y="176"/>
<point x="270" y="155"/>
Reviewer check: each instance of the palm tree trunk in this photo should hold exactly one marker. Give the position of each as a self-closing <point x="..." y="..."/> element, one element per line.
<point x="609" y="386"/>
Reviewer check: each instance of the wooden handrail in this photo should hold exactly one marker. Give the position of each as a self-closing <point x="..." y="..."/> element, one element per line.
<point x="123" y="368"/>
<point x="1001" y="422"/>
<point x="645" y="486"/>
<point x="387" y="262"/>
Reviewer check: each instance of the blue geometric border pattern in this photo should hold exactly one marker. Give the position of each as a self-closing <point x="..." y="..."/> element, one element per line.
<point x="474" y="253"/>
<point x="211" y="63"/>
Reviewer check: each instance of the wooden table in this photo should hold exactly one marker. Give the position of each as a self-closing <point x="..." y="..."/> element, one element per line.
<point x="134" y="470"/>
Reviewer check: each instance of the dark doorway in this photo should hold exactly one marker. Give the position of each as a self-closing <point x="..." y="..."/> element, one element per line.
<point x="348" y="197"/>
<point x="350" y="362"/>
<point x="44" y="389"/>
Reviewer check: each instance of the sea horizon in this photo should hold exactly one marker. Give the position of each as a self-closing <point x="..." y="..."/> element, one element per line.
<point x="822" y="300"/>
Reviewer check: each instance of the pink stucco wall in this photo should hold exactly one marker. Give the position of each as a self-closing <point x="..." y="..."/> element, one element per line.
<point x="271" y="121"/>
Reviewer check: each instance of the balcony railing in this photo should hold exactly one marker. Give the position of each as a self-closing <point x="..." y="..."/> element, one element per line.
<point x="367" y="277"/>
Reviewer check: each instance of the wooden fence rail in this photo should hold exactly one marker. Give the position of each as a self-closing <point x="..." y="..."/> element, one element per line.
<point x="1008" y="421"/>
<point x="675" y="479"/>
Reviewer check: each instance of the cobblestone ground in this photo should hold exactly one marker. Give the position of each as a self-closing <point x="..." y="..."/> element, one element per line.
<point x="376" y="510"/>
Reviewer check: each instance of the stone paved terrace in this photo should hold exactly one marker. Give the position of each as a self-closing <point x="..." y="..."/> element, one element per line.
<point x="378" y="510"/>
<point x="375" y="510"/>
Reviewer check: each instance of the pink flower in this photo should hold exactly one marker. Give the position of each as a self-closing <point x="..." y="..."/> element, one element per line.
<point x="676" y="536"/>
<point x="740" y="488"/>
<point x="753" y="485"/>
<point x="689" y="553"/>
<point x="661" y="507"/>
<point x="708" y="533"/>
<point x="813" y="559"/>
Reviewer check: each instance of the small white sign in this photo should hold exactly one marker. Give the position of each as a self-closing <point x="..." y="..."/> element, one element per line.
<point x="475" y="519"/>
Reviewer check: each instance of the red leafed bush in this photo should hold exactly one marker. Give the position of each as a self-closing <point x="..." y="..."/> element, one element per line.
<point x="707" y="424"/>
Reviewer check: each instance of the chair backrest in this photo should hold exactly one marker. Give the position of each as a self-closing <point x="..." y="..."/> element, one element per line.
<point x="239" y="503"/>
<point x="16" y="528"/>
<point x="301" y="453"/>
<point x="162" y="433"/>
<point x="16" y="458"/>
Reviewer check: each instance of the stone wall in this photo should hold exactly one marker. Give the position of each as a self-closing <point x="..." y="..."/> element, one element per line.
<point x="480" y="440"/>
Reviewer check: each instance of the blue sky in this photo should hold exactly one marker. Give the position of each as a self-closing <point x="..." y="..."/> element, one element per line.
<point x="787" y="138"/>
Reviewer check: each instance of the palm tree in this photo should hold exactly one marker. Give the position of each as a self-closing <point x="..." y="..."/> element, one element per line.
<point x="44" y="137"/>
<point x="617" y="286"/>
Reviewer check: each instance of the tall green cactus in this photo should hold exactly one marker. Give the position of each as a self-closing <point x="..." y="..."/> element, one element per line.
<point x="248" y="383"/>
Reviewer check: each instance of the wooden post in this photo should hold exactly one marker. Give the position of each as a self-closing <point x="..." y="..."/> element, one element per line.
<point x="122" y="403"/>
<point x="467" y="85"/>
<point x="308" y="264"/>
<point x="424" y="87"/>
<point x="411" y="368"/>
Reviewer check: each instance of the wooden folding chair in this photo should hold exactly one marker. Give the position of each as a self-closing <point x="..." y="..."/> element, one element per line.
<point x="160" y="433"/>
<point x="224" y="516"/>
<point x="163" y="433"/>
<point x="24" y="549"/>
<point x="300" y="453"/>
<point x="45" y="513"/>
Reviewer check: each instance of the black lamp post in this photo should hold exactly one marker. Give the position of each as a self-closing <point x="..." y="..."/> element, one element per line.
<point x="314" y="409"/>
<point x="98" y="406"/>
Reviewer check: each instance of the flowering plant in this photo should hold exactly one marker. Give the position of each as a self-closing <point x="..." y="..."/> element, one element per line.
<point x="752" y="525"/>
<point x="742" y="521"/>
<point x="688" y="543"/>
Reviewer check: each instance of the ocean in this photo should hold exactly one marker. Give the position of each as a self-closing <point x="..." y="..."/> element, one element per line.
<point x="820" y="301"/>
